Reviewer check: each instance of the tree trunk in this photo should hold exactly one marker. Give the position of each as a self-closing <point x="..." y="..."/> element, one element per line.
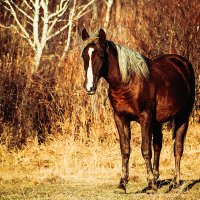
<point x="94" y="12"/>
<point x="118" y="11"/>
<point x="108" y="13"/>
<point x="38" y="55"/>
<point x="71" y="16"/>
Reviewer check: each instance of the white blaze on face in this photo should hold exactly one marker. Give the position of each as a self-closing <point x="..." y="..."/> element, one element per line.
<point x="89" y="83"/>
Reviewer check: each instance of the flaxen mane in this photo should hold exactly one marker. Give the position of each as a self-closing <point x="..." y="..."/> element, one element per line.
<point x="131" y="62"/>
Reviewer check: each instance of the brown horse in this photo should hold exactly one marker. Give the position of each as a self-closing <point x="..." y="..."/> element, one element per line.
<point x="147" y="91"/>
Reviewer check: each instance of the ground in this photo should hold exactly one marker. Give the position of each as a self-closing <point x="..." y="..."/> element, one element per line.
<point x="61" y="189"/>
<point x="67" y="169"/>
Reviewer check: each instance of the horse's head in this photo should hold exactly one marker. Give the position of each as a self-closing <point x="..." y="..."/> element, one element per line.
<point x="93" y="56"/>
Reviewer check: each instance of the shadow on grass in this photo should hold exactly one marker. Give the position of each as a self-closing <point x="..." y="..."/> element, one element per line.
<point x="184" y="186"/>
<point x="160" y="184"/>
<point x="190" y="186"/>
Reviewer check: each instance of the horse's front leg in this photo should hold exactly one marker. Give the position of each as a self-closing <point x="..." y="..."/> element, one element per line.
<point x="123" y="127"/>
<point x="146" y="129"/>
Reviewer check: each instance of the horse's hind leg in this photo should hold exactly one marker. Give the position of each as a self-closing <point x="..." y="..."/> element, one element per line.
<point x="180" y="130"/>
<point x="157" y="146"/>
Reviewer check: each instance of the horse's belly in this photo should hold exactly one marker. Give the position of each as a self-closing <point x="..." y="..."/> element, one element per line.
<point x="164" y="113"/>
<point x="168" y="107"/>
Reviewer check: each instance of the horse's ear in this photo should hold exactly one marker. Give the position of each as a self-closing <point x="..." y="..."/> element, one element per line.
<point x="85" y="34"/>
<point x="102" y="37"/>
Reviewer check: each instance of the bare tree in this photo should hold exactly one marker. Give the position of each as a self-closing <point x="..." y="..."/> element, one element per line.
<point x="118" y="11"/>
<point x="109" y="4"/>
<point x="33" y="13"/>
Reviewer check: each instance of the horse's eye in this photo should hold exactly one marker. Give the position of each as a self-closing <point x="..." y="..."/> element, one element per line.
<point x="101" y="56"/>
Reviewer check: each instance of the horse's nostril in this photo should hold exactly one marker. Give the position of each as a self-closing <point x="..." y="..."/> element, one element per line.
<point x="91" y="92"/>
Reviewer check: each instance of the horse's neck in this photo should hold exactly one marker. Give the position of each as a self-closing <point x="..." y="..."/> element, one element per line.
<point x="112" y="72"/>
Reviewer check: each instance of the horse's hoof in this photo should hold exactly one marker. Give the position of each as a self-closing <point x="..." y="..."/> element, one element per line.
<point x="151" y="190"/>
<point x="176" y="186"/>
<point x="121" y="189"/>
<point x="122" y="185"/>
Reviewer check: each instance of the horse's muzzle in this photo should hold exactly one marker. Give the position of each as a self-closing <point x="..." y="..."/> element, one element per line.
<point x="91" y="92"/>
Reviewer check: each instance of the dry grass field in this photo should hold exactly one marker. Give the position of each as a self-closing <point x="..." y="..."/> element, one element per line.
<point x="68" y="169"/>
<point x="58" y="143"/>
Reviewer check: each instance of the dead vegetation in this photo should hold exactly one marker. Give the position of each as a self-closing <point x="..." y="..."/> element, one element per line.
<point x="51" y="105"/>
<point x="52" y="99"/>
<point x="65" y="168"/>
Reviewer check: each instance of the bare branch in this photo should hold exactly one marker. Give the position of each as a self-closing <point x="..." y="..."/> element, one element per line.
<point x="8" y="27"/>
<point x="28" y="22"/>
<point x="32" y="2"/>
<point x="58" y="32"/>
<point x="64" y="8"/>
<point x="8" y="9"/>
<point x="108" y="13"/>
<point x="37" y="10"/>
<point x="80" y="13"/>
<point x="53" y="23"/>
<point x="25" y="33"/>
<point x="28" y="5"/>
<point x="60" y="9"/>
<point x="15" y="28"/>
<point x="45" y="22"/>
<point x="35" y="23"/>
<point x="22" y="11"/>
<point x="69" y="30"/>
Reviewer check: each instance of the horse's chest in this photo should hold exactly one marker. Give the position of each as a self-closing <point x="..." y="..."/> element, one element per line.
<point x="124" y="103"/>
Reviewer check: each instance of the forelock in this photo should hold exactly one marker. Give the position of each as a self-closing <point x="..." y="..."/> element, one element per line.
<point x="92" y="39"/>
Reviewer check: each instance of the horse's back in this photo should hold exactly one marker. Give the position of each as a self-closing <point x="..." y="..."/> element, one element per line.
<point x="177" y="61"/>
<point x="175" y="87"/>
